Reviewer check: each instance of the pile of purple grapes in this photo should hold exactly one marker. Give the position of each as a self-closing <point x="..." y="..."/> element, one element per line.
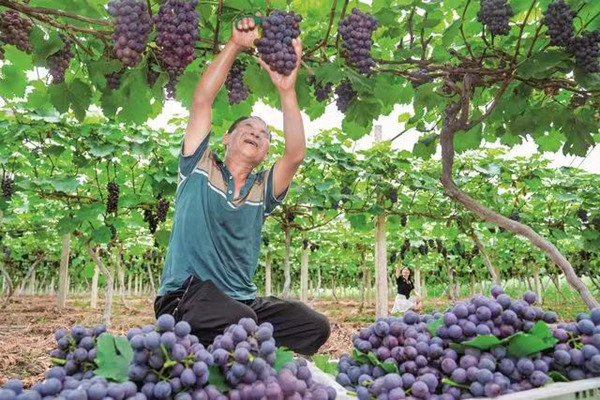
<point x="425" y="356"/>
<point x="170" y="363"/>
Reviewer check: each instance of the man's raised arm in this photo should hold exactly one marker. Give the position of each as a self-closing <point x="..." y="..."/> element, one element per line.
<point x="212" y="80"/>
<point x="293" y="127"/>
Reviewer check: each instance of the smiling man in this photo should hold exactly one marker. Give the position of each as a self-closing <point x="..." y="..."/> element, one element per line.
<point x="220" y="209"/>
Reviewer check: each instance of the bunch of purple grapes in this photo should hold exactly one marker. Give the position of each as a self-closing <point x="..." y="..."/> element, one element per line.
<point x="59" y="61"/>
<point x="151" y="219"/>
<point x="577" y="355"/>
<point x="133" y="24"/>
<point x="76" y="350"/>
<point x="495" y="15"/>
<point x="558" y="17"/>
<point x="345" y="94"/>
<point x="322" y="90"/>
<point x="113" y="80"/>
<point x="500" y="316"/>
<point x="15" y="30"/>
<point x="112" y="201"/>
<point x="423" y="361"/>
<point x="586" y="49"/>
<point x="275" y="46"/>
<point x="152" y="75"/>
<point x="356" y="30"/>
<point x="237" y="90"/>
<point x="246" y="353"/>
<point x="168" y="359"/>
<point x="492" y="373"/>
<point x="7" y="186"/>
<point x="58" y="385"/>
<point x="177" y="25"/>
<point x="162" y="208"/>
<point x="404" y="343"/>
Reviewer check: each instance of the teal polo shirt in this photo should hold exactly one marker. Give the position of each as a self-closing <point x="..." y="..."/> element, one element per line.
<point x="215" y="236"/>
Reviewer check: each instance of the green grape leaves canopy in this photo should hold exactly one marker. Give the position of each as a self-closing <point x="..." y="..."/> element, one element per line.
<point x="422" y="51"/>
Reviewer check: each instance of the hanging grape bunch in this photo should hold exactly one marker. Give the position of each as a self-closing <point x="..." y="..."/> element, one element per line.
<point x="7" y="186"/>
<point x="345" y="94"/>
<point x="177" y="25"/>
<point x="582" y="213"/>
<point x="150" y="218"/>
<point x="515" y="216"/>
<point x="59" y="61"/>
<point x="152" y="75"/>
<point x="237" y="90"/>
<point x="112" y="203"/>
<point x="393" y="195"/>
<point x="495" y="14"/>
<point x="162" y="208"/>
<point x="558" y="17"/>
<point x="113" y="80"/>
<point x="275" y="46"/>
<point x="356" y="30"/>
<point x="15" y="30"/>
<point x="322" y="90"/>
<point x="132" y="26"/>
<point x="586" y="49"/>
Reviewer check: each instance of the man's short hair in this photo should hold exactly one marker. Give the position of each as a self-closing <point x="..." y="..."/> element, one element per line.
<point x="245" y="117"/>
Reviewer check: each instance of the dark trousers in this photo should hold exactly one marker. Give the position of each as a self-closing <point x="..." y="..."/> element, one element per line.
<point x="209" y="311"/>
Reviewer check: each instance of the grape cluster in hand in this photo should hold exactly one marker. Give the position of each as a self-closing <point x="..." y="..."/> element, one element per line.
<point x="7" y="186"/>
<point x="356" y="30"/>
<point x="112" y="202"/>
<point x="177" y="25"/>
<point x="558" y="17"/>
<point x="237" y="90"/>
<point x="132" y="26"/>
<point x="345" y="94"/>
<point x="495" y="15"/>
<point x="586" y="49"/>
<point x="15" y="30"/>
<point x="275" y="46"/>
<point x="59" y="61"/>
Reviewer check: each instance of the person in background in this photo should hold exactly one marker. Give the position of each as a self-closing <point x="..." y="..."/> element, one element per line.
<point x="404" y="301"/>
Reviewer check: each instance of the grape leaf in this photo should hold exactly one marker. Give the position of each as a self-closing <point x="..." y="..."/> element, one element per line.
<point x="359" y="356"/>
<point x="322" y="362"/>
<point x="216" y="378"/>
<point x="483" y="342"/>
<point x="450" y="382"/>
<point x="525" y="345"/>
<point x="542" y="330"/>
<point x="282" y="357"/>
<point x="557" y="376"/>
<point x="114" y="354"/>
<point x="433" y="325"/>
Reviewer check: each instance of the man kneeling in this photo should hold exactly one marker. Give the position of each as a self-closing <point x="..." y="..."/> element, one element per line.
<point x="220" y="209"/>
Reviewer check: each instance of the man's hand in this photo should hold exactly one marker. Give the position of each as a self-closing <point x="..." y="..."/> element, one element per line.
<point x="282" y="82"/>
<point x="244" y="34"/>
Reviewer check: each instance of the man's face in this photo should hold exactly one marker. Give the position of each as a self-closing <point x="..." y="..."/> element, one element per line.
<point x="405" y="273"/>
<point x="249" y="140"/>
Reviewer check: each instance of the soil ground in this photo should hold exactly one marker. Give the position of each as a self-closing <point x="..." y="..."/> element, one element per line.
<point x="28" y="323"/>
